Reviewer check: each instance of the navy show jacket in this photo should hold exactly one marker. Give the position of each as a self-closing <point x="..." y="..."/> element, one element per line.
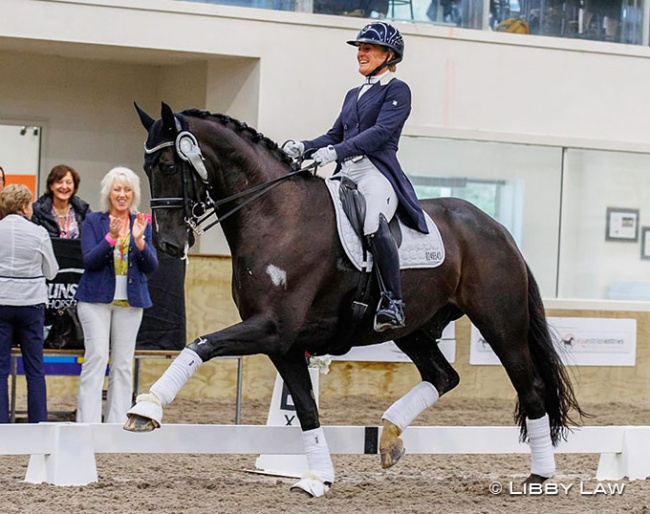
<point x="97" y="284"/>
<point x="371" y="126"/>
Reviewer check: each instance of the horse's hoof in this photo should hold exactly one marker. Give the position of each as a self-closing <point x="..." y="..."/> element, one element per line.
<point x="137" y="423"/>
<point x="146" y="415"/>
<point x="535" y="479"/>
<point x="391" y="455"/>
<point x="311" y="485"/>
<point x="300" y="491"/>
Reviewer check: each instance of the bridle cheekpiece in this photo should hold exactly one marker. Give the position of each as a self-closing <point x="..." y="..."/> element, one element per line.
<point x="197" y="212"/>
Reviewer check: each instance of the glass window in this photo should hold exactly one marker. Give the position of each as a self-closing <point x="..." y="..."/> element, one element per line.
<point x="519" y="185"/>
<point x="485" y="194"/>
<point x="598" y="261"/>
<point x="578" y="216"/>
<point x="618" y="21"/>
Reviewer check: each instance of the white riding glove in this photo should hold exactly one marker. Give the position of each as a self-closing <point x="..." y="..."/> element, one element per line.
<point x="324" y="155"/>
<point x="293" y="149"/>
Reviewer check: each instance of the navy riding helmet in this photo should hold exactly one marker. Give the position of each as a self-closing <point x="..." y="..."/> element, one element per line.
<point x="382" y="34"/>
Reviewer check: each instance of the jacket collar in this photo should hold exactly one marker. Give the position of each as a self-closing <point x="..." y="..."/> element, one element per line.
<point x="382" y="79"/>
<point x="376" y="87"/>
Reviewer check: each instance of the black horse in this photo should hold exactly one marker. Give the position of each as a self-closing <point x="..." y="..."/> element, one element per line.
<point x="293" y="284"/>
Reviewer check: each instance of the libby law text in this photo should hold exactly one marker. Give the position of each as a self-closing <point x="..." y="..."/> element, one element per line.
<point x="558" y="488"/>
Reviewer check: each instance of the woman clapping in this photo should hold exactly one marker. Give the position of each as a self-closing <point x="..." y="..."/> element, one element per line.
<point x="112" y="293"/>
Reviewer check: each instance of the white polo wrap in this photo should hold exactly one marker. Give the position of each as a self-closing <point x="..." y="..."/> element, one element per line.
<point x="408" y="407"/>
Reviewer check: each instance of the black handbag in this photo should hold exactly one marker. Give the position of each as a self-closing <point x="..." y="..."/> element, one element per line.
<point x="66" y="332"/>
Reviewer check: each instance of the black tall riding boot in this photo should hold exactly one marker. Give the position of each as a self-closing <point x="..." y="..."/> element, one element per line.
<point x="390" y="311"/>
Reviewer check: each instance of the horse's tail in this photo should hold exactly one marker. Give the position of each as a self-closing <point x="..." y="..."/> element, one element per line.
<point x="559" y="398"/>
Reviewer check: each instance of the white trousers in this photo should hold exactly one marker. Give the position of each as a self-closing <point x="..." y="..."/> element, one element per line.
<point x="375" y="188"/>
<point x="108" y="330"/>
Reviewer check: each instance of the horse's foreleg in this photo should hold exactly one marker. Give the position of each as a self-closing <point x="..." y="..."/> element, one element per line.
<point x="295" y="373"/>
<point x="146" y="414"/>
<point x="255" y="335"/>
<point x="318" y="480"/>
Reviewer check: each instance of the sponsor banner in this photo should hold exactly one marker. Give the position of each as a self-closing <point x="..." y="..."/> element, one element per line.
<point x="389" y="352"/>
<point x="62" y="288"/>
<point x="580" y="342"/>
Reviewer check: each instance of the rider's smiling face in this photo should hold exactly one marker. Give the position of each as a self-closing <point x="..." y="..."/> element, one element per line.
<point x="369" y="57"/>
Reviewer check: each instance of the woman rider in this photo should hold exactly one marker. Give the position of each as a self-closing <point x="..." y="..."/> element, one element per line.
<point x="364" y="142"/>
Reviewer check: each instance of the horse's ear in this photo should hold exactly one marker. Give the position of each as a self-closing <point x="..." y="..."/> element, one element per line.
<point x="167" y="115"/>
<point x="147" y="121"/>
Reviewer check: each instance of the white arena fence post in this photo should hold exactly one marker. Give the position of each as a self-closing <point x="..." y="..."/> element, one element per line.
<point x="283" y="413"/>
<point x="633" y="461"/>
<point x="70" y="459"/>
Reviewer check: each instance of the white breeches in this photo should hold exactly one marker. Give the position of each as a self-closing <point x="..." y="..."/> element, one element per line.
<point x="108" y="330"/>
<point x="376" y="189"/>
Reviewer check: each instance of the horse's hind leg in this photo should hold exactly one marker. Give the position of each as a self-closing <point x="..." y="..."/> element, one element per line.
<point x="438" y="377"/>
<point x="509" y="338"/>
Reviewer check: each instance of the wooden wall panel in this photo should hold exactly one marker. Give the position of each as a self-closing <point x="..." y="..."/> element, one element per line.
<point x="210" y="308"/>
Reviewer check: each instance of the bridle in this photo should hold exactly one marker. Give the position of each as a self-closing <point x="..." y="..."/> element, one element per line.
<point x="197" y="212"/>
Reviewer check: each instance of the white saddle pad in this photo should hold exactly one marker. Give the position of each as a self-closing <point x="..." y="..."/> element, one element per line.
<point x="418" y="250"/>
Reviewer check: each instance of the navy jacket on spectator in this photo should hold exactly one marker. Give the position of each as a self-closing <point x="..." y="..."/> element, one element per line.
<point x="43" y="213"/>
<point x="97" y="284"/>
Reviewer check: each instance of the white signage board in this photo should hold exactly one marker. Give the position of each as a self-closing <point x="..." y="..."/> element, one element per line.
<point x="580" y="342"/>
<point x="389" y="352"/>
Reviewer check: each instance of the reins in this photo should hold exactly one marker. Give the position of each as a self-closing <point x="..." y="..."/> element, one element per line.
<point x="187" y="149"/>
<point x="257" y="191"/>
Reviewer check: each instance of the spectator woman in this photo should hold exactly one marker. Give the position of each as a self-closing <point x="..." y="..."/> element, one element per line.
<point x="26" y="260"/>
<point x="118" y="254"/>
<point x="60" y="210"/>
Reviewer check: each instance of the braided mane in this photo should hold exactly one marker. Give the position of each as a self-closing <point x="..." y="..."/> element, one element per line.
<point x="245" y="131"/>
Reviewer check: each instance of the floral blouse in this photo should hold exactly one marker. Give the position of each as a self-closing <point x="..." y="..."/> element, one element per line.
<point x="68" y="227"/>
<point x="121" y="261"/>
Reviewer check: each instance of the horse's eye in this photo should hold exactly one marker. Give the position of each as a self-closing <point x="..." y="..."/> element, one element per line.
<point x="168" y="169"/>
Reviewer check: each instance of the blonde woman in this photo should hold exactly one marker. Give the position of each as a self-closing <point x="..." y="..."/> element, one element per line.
<point x="118" y="255"/>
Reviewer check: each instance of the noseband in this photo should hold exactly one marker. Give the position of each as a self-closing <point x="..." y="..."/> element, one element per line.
<point x="197" y="212"/>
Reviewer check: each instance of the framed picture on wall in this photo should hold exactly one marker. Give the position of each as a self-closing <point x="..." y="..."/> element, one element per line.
<point x="645" y="243"/>
<point x="622" y="224"/>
